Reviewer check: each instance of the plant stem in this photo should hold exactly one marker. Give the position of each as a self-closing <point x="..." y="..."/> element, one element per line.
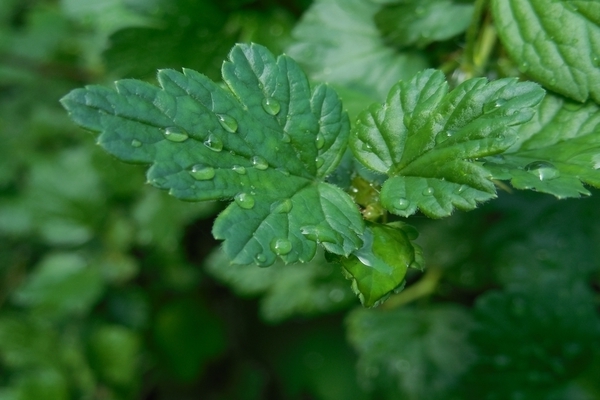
<point x="424" y="287"/>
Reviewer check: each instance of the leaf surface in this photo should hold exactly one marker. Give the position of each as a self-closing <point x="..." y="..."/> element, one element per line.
<point x="557" y="151"/>
<point x="421" y="22"/>
<point x="555" y="42"/>
<point x="337" y="41"/>
<point x="426" y="139"/>
<point x="267" y="141"/>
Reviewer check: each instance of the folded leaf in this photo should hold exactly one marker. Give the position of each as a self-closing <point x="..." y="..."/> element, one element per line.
<point x="557" y="152"/>
<point x="266" y="141"/>
<point x="426" y="139"/>
<point x="555" y="42"/>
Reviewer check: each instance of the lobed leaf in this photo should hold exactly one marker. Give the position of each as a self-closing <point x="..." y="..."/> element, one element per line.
<point x="425" y="139"/>
<point x="555" y="42"/>
<point x="266" y="140"/>
<point x="557" y="151"/>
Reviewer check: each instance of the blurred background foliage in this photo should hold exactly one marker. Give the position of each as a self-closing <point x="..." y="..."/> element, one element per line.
<point x="112" y="290"/>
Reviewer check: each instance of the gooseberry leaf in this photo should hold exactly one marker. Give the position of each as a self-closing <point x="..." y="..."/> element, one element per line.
<point x="555" y="42"/>
<point x="427" y="140"/>
<point x="265" y="140"/>
<point x="558" y="150"/>
<point x="421" y="22"/>
<point x="379" y="267"/>
<point x="337" y="41"/>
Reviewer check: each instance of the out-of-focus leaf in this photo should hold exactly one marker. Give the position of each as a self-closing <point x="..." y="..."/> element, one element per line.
<point x="337" y="41"/>
<point x="412" y="353"/>
<point x="114" y="353"/>
<point x="286" y="290"/>
<point x="44" y="384"/>
<point x="27" y="343"/>
<point x="558" y="150"/>
<point x="62" y="284"/>
<point x="555" y="42"/>
<point x="421" y="22"/>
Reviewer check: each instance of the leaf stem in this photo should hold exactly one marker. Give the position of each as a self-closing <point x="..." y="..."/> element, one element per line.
<point x="424" y="287"/>
<point x="481" y="37"/>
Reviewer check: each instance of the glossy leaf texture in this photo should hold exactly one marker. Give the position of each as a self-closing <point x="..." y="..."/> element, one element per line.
<point x="557" y="152"/>
<point x="555" y="42"/>
<point x="266" y="141"/>
<point x="337" y="41"/>
<point x="379" y="267"/>
<point x="427" y="140"/>
<point x="421" y="22"/>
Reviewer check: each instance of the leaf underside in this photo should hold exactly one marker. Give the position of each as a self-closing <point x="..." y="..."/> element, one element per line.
<point x="555" y="42"/>
<point x="558" y="150"/>
<point x="265" y="140"/>
<point x="427" y="140"/>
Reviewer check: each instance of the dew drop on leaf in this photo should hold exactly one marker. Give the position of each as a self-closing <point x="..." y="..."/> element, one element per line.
<point x="244" y="200"/>
<point x="282" y="206"/>
<point x="260" y="163"/>
<point x="271" y="106"/>
<point x="175" y="134"/>
<point x="462" y="188"/>
<point x="401" y="204"/>
<point x="260" y="258"/>
<point x="317" y="234"/>
<point x="228" y="123"/>
<point x="320" y="141"/>
<point x="284" y="171"/>
<point x="136" y="143"/>
<point x="281" y="246"/>
<point x="202" y="173"/>
<point x="239" y="169"/>
<point x="319" y="161"/>
<point x="524" y="67"/>
<point x="543" y="170"/>
<point x="213" y="143"/>
<point x="366" y="147"/>
<point x="428" y="191"/>
<point x="493" y="105"/>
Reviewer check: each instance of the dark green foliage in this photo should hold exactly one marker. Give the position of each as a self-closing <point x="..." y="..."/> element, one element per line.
<point x="111" y="289"/>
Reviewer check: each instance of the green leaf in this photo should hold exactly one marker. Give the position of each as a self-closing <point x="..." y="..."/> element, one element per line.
<point x="421" y="22"/>
<point x="555" y="42"/>
<point x="286" y="290"/>
<point x="267" y="142"/>
<point x="557" y="151"/>
<point x="378" y="268"/>
<point x="337" y="41"/>
<point x="62" y="284"/>
<point x="425" y="139"/>
<point x="534" y="337"/>
<point x="415" y="353"/>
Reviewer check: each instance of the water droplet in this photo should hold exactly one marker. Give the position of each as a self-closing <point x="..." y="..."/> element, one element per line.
<point x="202" y="173"/>
<point x="271" y="106"/>
<point x="281" y="246"/>
<point x="228" y="123"/>
<point x="596" y="61"/>
<point x="524" y="66"/>
<point x="136" y="143"/>
<point x="175" y="134"/>
<point x="428" y="191"/>
<point x="244" y="200"/>
<point x="493" y="105"/>
<point x="462" y="188"/>
<point x="320" y="141"/>
<point x="500" y="137"/>
<point x="213" y="143"/>
<point x="552" y="82"/>
<point x="260" y="163"/>
<point x="286" y="138"/>
<point x="284" y="171"/>
<point x="401" y="204"/>
<point x="239" y="169"/>
<point x="366" y="147"/>
<point x="260" y="258"/>
<point x="318" y="234"/>
<point x="282" y="206"/>
<point x="543" y="170"/>
<point x="319" y="161"/>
